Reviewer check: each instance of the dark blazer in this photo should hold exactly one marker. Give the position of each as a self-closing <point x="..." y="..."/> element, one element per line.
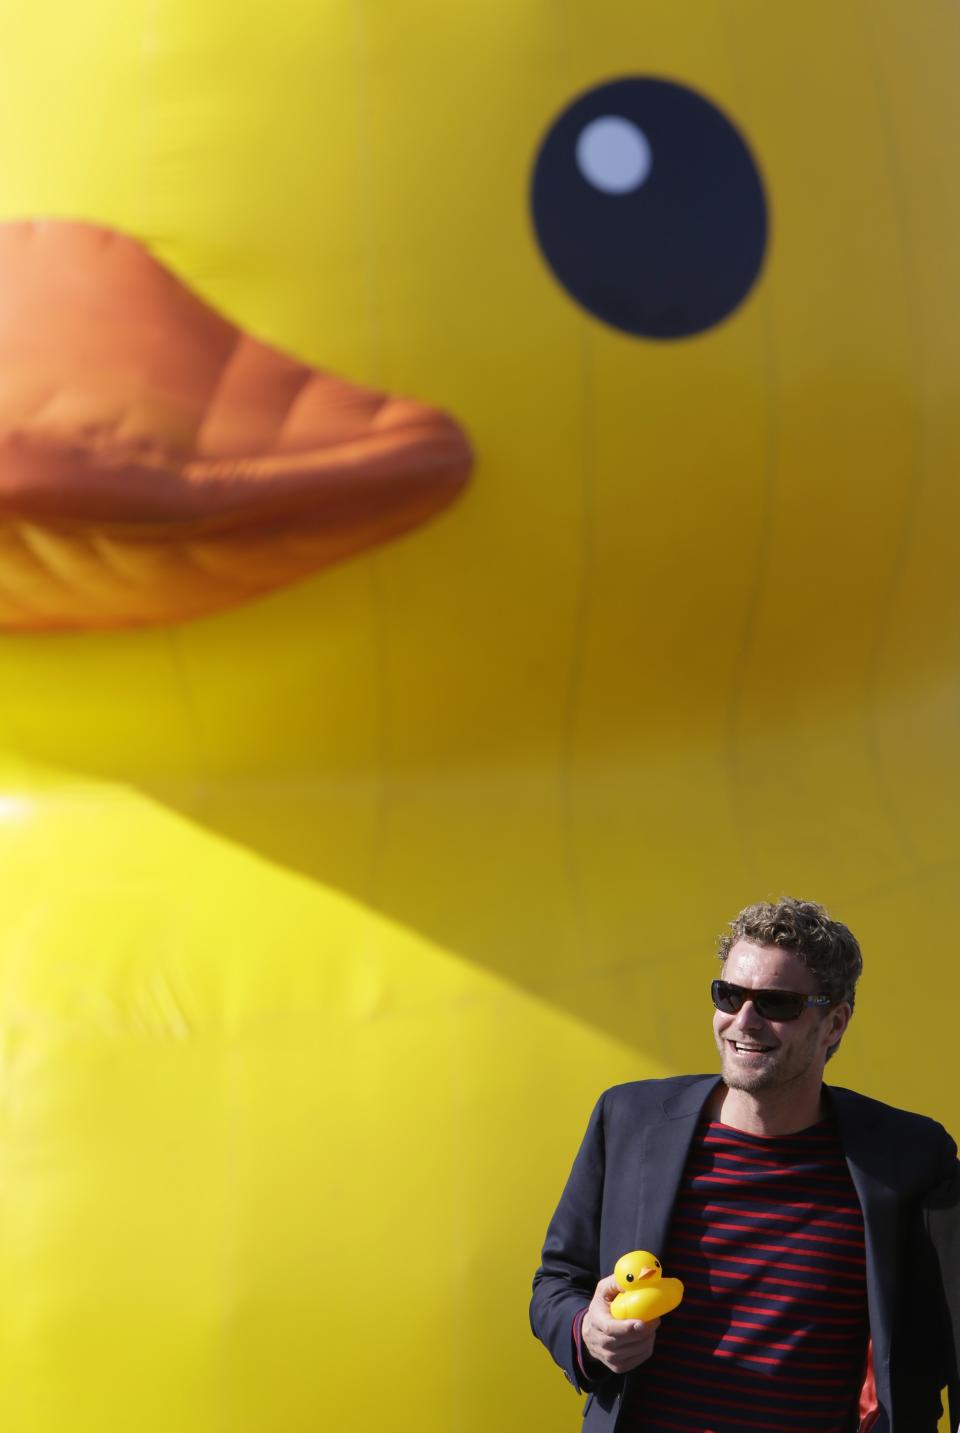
<point x="620" y="1196"/>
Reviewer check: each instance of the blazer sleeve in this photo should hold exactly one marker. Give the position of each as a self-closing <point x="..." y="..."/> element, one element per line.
<point x="925" y="1344"/>
<point x="570" y="1262"/>
<point x="940" y="1251"/>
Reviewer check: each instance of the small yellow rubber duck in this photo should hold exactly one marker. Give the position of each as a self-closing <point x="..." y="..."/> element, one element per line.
<point x="645" y="1295"/>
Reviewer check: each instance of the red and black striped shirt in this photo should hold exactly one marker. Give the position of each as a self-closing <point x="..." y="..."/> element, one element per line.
<point x="771" y="1337"/>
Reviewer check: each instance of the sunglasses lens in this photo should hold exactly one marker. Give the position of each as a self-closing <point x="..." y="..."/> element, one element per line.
<point x="726" y="997"/>
<point x="773" y="1006"/>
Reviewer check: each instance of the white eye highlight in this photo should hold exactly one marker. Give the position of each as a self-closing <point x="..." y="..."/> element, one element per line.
<point x="614" y="154"/>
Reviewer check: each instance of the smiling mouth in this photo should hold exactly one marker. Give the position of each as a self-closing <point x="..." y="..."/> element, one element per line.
<point x="744" y="1049"/>
<point x="157" y="462"/>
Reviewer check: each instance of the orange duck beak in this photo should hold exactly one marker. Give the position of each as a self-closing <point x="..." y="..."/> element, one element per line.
<point x="157" y="463"/>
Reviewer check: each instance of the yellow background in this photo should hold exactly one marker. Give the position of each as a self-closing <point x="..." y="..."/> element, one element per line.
<point x="325" y="920"/>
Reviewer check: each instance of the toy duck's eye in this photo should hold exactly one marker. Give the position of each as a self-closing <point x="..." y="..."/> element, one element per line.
<point x="629" y="1278"/>
<point x="658" y="1263"/>
<point x="649" y="208"/>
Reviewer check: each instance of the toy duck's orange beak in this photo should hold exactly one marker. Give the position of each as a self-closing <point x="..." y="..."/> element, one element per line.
<point x="157" y="463"/>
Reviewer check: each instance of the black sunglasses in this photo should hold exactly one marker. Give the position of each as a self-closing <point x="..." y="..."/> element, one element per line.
<point x="769" y="1004"/>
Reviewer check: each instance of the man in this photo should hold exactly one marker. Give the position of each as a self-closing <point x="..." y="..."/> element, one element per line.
<point x="789" y="1209"/>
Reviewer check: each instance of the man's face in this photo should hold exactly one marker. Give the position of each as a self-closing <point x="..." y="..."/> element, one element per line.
<point x="758" y="1054"/>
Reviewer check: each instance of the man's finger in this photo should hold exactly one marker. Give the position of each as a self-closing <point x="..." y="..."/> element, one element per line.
<point x="619" y="1328"/>
<point x="625" y="1336"/>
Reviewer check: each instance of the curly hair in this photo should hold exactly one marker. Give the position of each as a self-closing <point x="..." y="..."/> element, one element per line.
<point x="827" y="948"/>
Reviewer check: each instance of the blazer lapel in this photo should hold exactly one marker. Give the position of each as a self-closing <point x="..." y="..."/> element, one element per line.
<point x="664" y="1154"/>
<point x="868" y="1159"/>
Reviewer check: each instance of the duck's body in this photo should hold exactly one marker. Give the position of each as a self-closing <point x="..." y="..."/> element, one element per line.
<point x="302" y="900"/>
<point x="650" y="1303"/>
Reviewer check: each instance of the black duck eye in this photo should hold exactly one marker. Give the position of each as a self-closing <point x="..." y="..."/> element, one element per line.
<point x="629" y="1278"/>
<point x="649" y="208"/>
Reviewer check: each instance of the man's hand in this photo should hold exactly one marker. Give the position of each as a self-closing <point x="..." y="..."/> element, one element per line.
<point x="619" y="1344"/>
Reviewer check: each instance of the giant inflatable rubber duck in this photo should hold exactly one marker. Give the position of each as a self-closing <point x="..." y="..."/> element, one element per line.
<point x="365" y="766"/>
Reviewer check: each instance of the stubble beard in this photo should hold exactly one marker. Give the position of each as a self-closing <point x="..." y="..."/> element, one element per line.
<point x="748" y="1080"/>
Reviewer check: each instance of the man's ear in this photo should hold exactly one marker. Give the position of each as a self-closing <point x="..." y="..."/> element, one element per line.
<point x="838" y="1018"/>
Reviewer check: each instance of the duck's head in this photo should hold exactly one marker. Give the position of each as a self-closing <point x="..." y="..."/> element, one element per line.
<point x="636" y="1270"/>
<point x="693" y="331"/>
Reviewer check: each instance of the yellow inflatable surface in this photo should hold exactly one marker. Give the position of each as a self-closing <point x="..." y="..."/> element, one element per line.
<point x="326" y="917"/>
